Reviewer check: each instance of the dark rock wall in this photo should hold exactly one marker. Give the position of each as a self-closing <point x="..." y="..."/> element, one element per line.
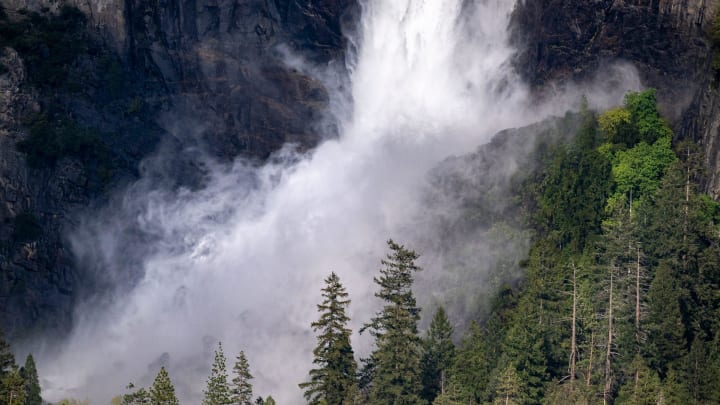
<point x="142" y="74"/>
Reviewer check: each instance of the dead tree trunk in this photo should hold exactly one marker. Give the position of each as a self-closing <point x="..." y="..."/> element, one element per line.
<point x="573" y="339"/>
<point x="590" y="363"/>
<point x="608" y="352"/>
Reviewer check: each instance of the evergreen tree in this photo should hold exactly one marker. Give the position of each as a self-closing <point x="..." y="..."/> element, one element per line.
<point x="699" y="374"/>
<point x="438" y="357"/>
<point x="162" y="391"/>
<point x="218" y="390"/>
<point x="673" y="391"/>
<point x="7" y="360"/>
<point x="269" y="400"/>
<point x="398" y="351"/>
<point x="241" y="387"/>
<point x="32" y="385"/>
<point x="642" y="385"/>
<point x="12" y="388"/>
<point x="335" y="375"/>
<point x="523" y="347"/>
<point x="138" y="397"/>
<point x="470" y="373"/>
<point x="666" y="342"/>
<point x="508" y="387"/>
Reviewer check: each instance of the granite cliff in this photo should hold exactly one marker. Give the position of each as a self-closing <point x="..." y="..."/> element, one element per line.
<point x="91" y="88"/>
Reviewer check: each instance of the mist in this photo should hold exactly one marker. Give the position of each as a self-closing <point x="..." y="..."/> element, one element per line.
<point x="241" y="259"/>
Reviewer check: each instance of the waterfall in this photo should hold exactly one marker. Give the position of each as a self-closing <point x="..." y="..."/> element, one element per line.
<point x="242" y="259"/>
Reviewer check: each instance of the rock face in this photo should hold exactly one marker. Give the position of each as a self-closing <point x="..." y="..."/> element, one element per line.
<point x="89" y="90"/>
<point x="667" y="40"/>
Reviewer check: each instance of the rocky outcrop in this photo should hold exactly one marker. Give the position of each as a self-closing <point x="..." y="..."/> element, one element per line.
<point x="86" y="96"/>
<point x="667" y="40"/>
<point x="35" y="278"/>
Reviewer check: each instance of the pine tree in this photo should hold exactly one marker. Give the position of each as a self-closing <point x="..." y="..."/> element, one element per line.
<point x="32" y="385"/>
<point x="335" y="375"/>
<point x="12" y="388"/>
<point x="7" y="360"/>
<point x="396" y="358"/>
<point x="508" y="387"/>
<point x="673" y="390"/>
<point x="162" y="391"/>
<point x="218" y="390"/>
<point x="241" y="387"/>
<point x="438" y="356"/>
<point x="138" y="397"/>
<point x="643" y="388"/>
<point x="470" y="373"/>
<point x="666" y="342"/>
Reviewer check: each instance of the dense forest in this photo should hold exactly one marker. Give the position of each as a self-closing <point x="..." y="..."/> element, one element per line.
<point x="619" y="301"/>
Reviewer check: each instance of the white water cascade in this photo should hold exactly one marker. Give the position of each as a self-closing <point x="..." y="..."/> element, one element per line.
<point x="242" y="261"/>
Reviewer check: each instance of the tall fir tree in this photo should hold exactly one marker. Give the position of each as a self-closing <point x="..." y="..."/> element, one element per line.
<point x="470" y="373"/>
<point x="241" y="387"/>
<point x="507" y="387"/>
<point x="335" y="376"/>
<point x="218" y="389"/>
<point x="12" y="388"/>
<point x="7" y="360"/>
<point x="162" y="391"/>
<point x="642" y="387"/>
<point x="397" y="356"/>
<point x="140" y="396"/>
<point x="666" y="342"/>
<point x="31" y="381"/>
<point x="438" y="356"/>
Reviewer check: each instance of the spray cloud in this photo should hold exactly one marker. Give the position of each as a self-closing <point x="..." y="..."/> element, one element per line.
<point x="242" y="259"/>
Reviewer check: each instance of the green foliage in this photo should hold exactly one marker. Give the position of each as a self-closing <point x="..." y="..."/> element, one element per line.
<point x="7" y="359"/>
<point x="638" y="171"/>
<point x="138" y="396"/>
<point x="31" y="381"/>
<point x="470" y="373"/>
<point x="508" y="387"/>
<point x="73" y="401"/>
<point x="241" y="387"/>
<point x="642" y="387"/>
<point x="396" y="378"/>
<point x="645" y="117"/>
<point x="701" y="373"/>
<point x="332" y="381"/>
<point x="524" y="349"/>
<point x="666" y="342"/>
<point x="638" y="142"/>
<point x="162" y="391"/>
<point x="615" y="125"/>
<point x="674" y="391"/>
<point x="663" y="252"/>
<point x="438" y="356"/>
<point x="218" y="389"/>
<point x="573" y="191"/>
<point x="12" y="388"/>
